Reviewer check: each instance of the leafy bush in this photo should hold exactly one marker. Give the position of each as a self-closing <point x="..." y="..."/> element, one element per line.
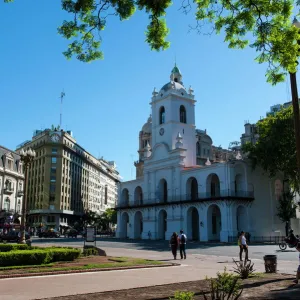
<point x="183" y="296"/>
<point x="244" y="269"/>
<point x="225" y="286"/>
<point x="64" y="254"/>
<point x="37" y="256"/>
<point x="25" y="257"/>
<point x="87" y="251"/>
<point x="13" y="247"/>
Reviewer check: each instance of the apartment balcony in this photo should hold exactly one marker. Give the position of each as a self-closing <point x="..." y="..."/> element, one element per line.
<point x="188" y="198"/>
<point x="20" y="193"/>
<point x="8" y="191"/>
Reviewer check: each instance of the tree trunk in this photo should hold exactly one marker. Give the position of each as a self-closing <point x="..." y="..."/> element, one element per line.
<point x="295" y="101"/>
<point x="287" y="228"/>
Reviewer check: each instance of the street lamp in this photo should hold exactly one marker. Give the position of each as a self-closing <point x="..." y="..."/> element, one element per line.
<point x="27" y="157"/>
<point x="295" y="102"/>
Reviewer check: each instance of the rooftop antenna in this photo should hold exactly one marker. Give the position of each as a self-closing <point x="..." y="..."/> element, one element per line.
<point x="61" y="102"/>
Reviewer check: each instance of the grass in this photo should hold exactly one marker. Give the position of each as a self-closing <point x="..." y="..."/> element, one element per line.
<point x="26" y="267"/>
<point x="116" y="262"/>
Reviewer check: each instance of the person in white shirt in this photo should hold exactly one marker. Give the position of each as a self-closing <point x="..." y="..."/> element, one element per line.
<point x="243" y="246"/>
<point x="182" y="244"/>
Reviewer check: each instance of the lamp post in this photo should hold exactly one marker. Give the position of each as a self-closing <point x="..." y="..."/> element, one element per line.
<point x="295" y="102"/>
<point x="27" y="158"/>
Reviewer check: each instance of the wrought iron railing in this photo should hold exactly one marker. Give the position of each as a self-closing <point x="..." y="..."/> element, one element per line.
<point x="164" y="198"/>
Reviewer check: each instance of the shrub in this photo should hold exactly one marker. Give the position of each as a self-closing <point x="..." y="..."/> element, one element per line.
<point x="183" y="296"/>
<point x="244" y="269"/>
<point x="90" y="250"/>
<point x="225" y="286"/>
<point x="37" y="256"/>
<point x="13" y="247"/>
<point x="64" y="254"/>
<point x="25" y="257"/>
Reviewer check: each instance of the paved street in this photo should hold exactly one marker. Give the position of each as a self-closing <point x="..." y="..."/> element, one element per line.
<point x="255" y="251"/>
<point x="202" y="261"/>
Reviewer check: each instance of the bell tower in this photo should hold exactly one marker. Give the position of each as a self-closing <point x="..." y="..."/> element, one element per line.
<point x="173" y="113"/>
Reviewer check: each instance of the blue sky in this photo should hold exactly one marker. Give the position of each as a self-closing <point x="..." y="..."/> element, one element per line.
<point x="107" y="102"/>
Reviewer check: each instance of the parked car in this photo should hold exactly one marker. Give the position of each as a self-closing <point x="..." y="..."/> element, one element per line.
<point x="52" y="233"/>
<point x="13" y="236"/>
<point x="71" y="233"/>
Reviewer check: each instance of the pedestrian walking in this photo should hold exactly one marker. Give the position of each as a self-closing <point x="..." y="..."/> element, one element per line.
<point x="243" y="246"/>
<point x="174" y="244"/>
<point x="298" y="270"/>
<point x="182" y="244"/>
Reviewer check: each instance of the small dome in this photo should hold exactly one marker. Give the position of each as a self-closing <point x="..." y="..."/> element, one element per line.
<point x="147" y="128"/>
<point x="173" y="86"/>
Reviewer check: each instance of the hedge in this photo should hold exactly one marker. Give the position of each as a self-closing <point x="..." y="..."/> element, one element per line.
<point x="13" y="247"/>
<point x="37" y="257"/>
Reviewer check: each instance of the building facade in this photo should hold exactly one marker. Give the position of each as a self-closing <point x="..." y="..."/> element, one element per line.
<point x="11" y="188"/>
<point x="65" y="180"/>
<point x="184" y="182"/>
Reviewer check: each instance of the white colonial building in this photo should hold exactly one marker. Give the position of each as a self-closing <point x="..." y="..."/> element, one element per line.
<point x="183" y="182"/>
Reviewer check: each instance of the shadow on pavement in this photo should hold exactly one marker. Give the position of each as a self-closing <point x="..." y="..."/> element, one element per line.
<point x="291" y="292"/>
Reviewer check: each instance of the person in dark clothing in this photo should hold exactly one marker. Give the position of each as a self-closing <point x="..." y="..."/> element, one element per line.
<point x="174" y="244"/>
<point x="182" y="244"/>
<point x="292" y="239"/>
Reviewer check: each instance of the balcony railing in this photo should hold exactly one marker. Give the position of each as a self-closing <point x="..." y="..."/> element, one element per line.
<point x="20" y="193"/>
<point x="195" y="197"/>
<point x="8" y="191"/>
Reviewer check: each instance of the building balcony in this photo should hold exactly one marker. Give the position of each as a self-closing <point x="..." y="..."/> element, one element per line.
<point x="8" y="191"/>
<point x="189" y="198"/>
<point x="20" y="193"/>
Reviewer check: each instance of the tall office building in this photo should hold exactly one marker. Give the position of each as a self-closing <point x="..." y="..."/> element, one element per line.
<point x="65" y="180"/>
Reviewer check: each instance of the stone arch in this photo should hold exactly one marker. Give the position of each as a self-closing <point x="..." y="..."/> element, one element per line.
<point x="163" y="191"/>
<point x="241" y="219"/>
<point x="192" y="189"/>
<point x="138" y="225"/>
<point x="193" y="230"/>
<point x="213" y="185"/>
<point x="162" y="224"/>
<point x="124" y="225"/>
<point x="125" y="197"/>
<point x="138" y="195"/>
<point x="214" y="224"/>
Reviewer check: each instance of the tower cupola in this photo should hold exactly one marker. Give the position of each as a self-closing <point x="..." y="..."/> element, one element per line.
<point x="176" y="75"/>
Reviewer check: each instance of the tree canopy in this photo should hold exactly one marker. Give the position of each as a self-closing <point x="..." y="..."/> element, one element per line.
<point x="263" y="25"/>
<point x="275" y="149"/>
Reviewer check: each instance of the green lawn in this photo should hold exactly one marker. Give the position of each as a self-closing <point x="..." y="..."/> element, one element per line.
<point x="54" y="267"/>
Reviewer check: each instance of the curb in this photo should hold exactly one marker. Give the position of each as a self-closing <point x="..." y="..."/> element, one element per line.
<point x="85" y="271"/>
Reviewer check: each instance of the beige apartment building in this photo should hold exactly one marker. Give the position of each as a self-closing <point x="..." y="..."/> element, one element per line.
<point x="11" y="188"/>
<point x="65" y="180"/>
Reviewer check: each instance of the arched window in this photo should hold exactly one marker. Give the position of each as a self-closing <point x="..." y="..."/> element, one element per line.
<point x="162" y="114"/>
<point x="182" y="114"/>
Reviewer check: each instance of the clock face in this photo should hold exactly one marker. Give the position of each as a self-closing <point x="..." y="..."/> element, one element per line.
<point x="55" y="138"/>
<point x="161" y="131"/>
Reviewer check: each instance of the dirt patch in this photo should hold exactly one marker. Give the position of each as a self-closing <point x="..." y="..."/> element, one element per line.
<point x="275" y="286"/>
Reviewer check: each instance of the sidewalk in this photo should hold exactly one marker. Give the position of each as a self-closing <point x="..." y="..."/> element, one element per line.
<point x="195" y="267"/>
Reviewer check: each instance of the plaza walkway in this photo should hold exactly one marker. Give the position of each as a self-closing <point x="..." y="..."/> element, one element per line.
<point x="195" y="267"/>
